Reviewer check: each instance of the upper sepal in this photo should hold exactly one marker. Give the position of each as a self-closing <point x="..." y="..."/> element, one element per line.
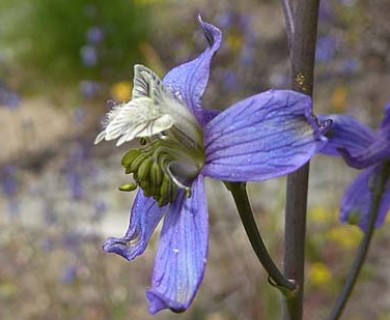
<point x="189" y="80"/>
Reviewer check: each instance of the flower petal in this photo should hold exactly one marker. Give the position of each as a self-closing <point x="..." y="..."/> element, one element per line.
<point x="189" y="80"/>
<point x="137" y="118"/>
<point x="145" y="216"/>
<point x="262" y="137"/>
<point x="348" y="133"/>
<point x="145" y="83"/>
<point x="377" y="152"/>
<point x="357" y="201"/>
<point x="181" y="257"/>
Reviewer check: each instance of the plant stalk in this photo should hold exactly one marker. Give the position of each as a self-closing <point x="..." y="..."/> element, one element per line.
<point x="303" y="44"/>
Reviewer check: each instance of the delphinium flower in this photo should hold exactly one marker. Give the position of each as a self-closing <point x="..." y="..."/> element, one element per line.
<point x="180" y="142"/>
<point x="89" y="89"/>
<point x="75" y="165"/>
<point x="89" y="55"/>
<point x="95" y="35"/>
<point x="10" y="187"/>
<point x="326" y="48"/>
<point x="8" y="98"/>
<point x="361" y="148"/>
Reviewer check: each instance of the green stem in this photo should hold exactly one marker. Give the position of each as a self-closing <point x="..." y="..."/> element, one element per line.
<point x="241" y="199"/>
<point x="377" y="190"/>
<point x="303" y="27"/>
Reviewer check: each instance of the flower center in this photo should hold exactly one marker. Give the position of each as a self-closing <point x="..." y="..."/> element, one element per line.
<point x="171" y="151"/>
<point x="163" y="164"/>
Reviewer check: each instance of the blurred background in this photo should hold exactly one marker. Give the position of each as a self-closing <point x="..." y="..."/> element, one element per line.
<point x="64" y="63"/>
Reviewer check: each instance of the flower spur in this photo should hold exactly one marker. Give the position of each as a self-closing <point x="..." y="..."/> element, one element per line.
<point x="264" y="136"/>
<point x="361" y="148"/>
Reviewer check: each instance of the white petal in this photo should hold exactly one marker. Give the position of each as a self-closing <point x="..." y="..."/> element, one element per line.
<point x="100" y="137"/>
<point x="138" y="118"/>
<point x="145" y="80"/>
<point x="151" y="111"/>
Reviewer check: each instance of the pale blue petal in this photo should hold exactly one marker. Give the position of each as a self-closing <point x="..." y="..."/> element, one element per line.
<point x="348" y="133"/>
<point x="182" y="252"/>
<point x="357" y="201"/>
<point x="189" y="80"/>
<point x="265" y="136"/>
<point x="145" y="216"/>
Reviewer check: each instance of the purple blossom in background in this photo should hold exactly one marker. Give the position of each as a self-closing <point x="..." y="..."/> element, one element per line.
<point x="89" y="55"/>
<point x="240" y="26"/>
<point x="69" y="275"/>
<point x="10" y="187"/>
<point x="75" y="166"/>
<point x="361" y="148"/>
<point x="348" y="3"/>
<point x="100" y="210"/>
<point x="350" y="66"/>
<point x="73" y="241"/>
<point x="95" y="35"/>
<point x="8" y="98"/>
<point x="79" y="116"/>
<point x="326" y="48"/>
<point x="75" y="183"/>
<point x="89" y="89"/>
<point x="264" y="136"/>
<point x="326" y="12"/>
<point x="9" y="181"/>
<point x="230" y="80"/>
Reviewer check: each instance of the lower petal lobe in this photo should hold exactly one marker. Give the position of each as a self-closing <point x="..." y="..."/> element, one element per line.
<point x="145" y="216"/>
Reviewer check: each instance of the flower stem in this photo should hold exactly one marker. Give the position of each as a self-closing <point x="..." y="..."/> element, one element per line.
<point x="305" y="18"/>
<point x="288" y="12"/>
<point x="241" y="199"/>
<point x="377" y="192"/>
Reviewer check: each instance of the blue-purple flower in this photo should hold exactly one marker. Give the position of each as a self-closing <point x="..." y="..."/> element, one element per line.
<point x="361" y="148"/>
<point x="180" y="142"/>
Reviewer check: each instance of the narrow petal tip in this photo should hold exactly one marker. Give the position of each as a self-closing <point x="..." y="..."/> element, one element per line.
<point x="158" y="303"/>
<point x="118" y="246"/>
<point x="211" y="32"/>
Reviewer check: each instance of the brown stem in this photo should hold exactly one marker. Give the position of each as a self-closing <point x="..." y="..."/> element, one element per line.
<point x="302" y="63"/>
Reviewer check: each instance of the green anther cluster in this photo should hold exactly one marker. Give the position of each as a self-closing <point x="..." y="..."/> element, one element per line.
<point x="149" y="164"/>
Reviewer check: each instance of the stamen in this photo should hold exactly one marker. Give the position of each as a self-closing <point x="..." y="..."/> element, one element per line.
<point x="128" y="187"/>
<point x="178" y="182"/>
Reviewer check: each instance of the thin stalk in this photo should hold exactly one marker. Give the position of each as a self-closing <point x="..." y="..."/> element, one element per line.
<point x="342" y="299"/>
<point x="288" y="12"/>
<point x="302" y="63"/>
<point x="243" y="205"/>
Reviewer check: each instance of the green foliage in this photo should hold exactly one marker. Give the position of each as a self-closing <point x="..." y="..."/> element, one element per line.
<point x="44" y="39"/>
